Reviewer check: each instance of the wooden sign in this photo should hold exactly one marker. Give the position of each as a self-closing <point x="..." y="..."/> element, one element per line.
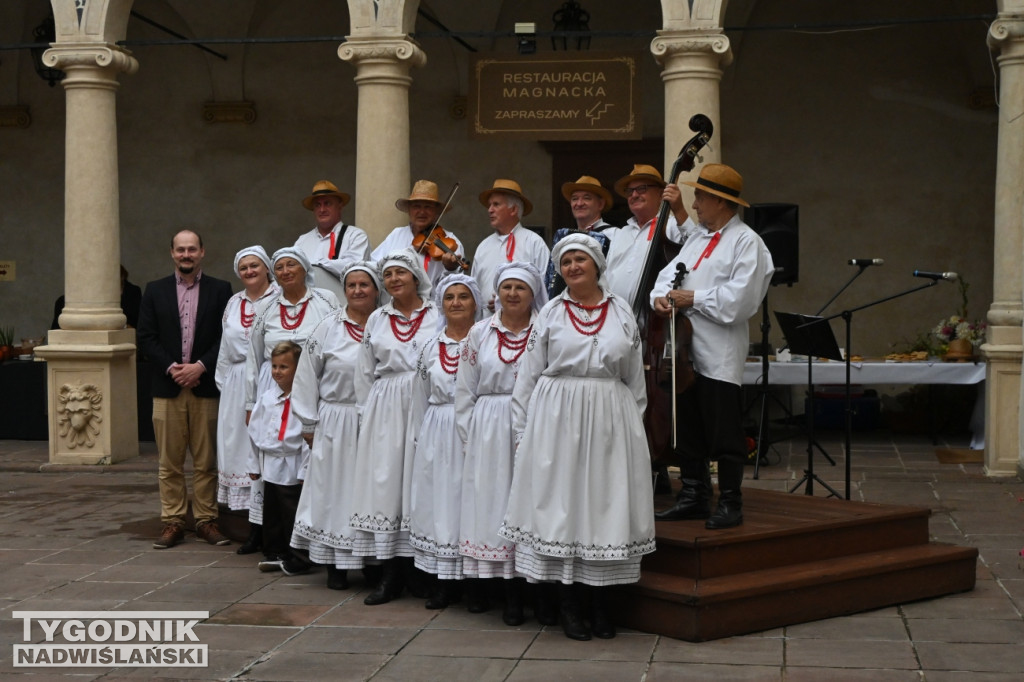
<point x="560" y="96"/>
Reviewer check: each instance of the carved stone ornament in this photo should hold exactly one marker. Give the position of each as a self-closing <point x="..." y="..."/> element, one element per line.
<point x="666" y="46"/>
<point x="15" y="117"/>
<point x="70" y="55"/>
<point x="79" y="414"/>
<point x="397" y="50"/>
<point x="229" y="112"/>
<point x="1005" y="30"/>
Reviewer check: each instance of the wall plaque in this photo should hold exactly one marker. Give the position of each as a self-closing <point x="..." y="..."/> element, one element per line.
<point x="560" y="96"/>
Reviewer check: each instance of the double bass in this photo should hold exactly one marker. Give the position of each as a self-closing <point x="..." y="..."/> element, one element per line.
<point x="659" y="419"/>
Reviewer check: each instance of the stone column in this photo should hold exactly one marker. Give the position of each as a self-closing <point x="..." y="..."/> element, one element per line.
<point x="1004" y="349"/>
<point x="692" y="74"/>
<point x="382" y="139"/>
<point x="91" y="359"/>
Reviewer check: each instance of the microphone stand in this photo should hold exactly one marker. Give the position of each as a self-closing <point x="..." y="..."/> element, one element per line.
<point x="847" y="316"/>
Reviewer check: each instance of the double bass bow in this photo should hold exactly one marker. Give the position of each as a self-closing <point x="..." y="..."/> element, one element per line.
<point x="661" y="359"/>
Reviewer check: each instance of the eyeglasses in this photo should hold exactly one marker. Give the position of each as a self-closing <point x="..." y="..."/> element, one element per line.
<point x="639" y="189"/>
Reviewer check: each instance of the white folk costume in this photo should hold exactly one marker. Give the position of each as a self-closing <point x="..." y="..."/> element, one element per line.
<point x="336" y="250"/>
<point x="492" y="358"/>
<point x="628" y="253"/>
<point x="581" y="504"/>
<point x="436" y="490"/>
<point x="324" y="401"/>
<point x="280" y="321"/>
<point x="233" y="444"/>
<point x="387" y="364"/>
<point x="520" y="244"/>
<point x="401" y="238"/>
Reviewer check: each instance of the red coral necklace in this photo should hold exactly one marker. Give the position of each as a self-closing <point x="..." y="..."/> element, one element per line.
<point x="404" y="331"/>
<point x="289" y="321"/>
<point x="516" y="346"/>
<point x="587" y="327"/>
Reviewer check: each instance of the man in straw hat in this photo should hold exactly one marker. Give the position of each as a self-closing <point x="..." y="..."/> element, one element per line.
<point x="423" y="206"/>
<point x="730" y="269"/>
<point x="588" y="200"/>
<point x="644" y="191"/>
<point x="506" y="205"/>
<point x="331" y="245"/>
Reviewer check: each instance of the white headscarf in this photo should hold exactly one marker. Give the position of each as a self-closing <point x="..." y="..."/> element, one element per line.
<point x="451" y="280"/>
<point x="579" y="241"/>
<point x="255" y="250"/>
<point x="300" y="256"/>
<point x="407" y="258"/>
<point x="370" y="268"/>
<point x="526" y="273"/>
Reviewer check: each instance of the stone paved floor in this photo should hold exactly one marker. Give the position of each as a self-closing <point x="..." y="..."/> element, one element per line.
<point x="74" y="539"/>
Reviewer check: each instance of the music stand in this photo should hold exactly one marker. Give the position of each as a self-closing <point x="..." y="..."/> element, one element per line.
<point x="807" y="335"/>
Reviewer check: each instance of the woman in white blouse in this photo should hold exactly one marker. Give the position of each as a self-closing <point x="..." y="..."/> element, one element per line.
<point x="252" y="265"/>
<point x="436" y="490"/>
<point x="324" y="400"/>
<point x="483" y="405"/>
<point x="292" y="316"/>
<point x="580" y="510"/>
<point x="394" y="337"/>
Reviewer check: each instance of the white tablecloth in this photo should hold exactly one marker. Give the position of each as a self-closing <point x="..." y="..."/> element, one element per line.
<point x="832" y="372"/>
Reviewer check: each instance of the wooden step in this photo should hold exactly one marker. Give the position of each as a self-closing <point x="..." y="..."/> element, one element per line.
<point x="700" y="610"/>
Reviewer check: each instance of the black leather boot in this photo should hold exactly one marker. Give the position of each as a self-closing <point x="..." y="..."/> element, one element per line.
<point x="254" y="542"/>
<point x="372" y="574"/>
<point x="337" y="578"/>
<point x="476" y="596"/>
<point x="600" y="623"/>
<point x="570" y="614"/>
<point x="417" y="582"/>
<point x="442" y="595"/>
<point x="728" y="513"/>
<point x="513" y="613"/>
<point x="545" y="605"/>
<point x="390" y="586"/>
<point x="694" y="500"/>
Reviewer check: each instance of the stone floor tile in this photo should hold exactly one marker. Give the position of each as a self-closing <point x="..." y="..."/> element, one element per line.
<point x="281" y="592"/>
<point x="351" y="640"/>
<point x="469" y="644"/>
<point x="795" y="674"/>
<point x="962" y="676"/>
<point x="589" y="671"/>
<point x="409" y="668"/>
<point x="821" y="653"/>
<point x="237" y="637"/>
<point x="456" y="617"/>
<point x="193" y="592"/>
<point x="851" y="627"/>
<point x="978" y="657"/>
<point x="750" y="650"/>
<point x="555" y="645"/>
<point x="115" y="592"/>
<point x="268" y="614"/>
<point x="221" y="665"/>
<point x="175" y="556"/>
<point x="397" y="613"/>
<point x="663" y="671"/>
<point x="967" y="609"/>
<point x="137" y="573"/>
<point x="954" y="630"/>
<point x="302" y="666"/>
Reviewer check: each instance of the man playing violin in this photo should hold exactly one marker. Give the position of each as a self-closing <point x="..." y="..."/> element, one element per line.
<point x="424" y="207"/>
<point x="588" y="200"/>
<point x="644" y="190"/>
<point x="506" y="205"/>
<point x="729" y="270"/>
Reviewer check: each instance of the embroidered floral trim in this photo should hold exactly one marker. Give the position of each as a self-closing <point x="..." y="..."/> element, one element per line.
<point x="566" y="550"/>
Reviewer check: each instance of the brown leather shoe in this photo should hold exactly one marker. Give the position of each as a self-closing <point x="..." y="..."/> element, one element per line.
<point x="171" y="535"/>
<point x="211" y="533"/>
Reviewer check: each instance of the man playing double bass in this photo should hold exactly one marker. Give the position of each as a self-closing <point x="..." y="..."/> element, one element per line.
<point x="729" y="270"/>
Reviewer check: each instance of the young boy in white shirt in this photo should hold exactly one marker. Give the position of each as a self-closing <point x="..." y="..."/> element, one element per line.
<point x="281" y="458"/>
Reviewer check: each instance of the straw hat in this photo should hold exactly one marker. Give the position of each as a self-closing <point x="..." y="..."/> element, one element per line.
<point x="423" y="190"/>
<point x="722" y="181"/>
<point x="590" y="184"/>
<point x="507" y="187"/>
<point x="641" y="171"/>
<point x="325" y="188"/>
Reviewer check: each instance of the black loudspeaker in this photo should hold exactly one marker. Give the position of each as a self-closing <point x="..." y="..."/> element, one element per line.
<point x="778" y="226"/>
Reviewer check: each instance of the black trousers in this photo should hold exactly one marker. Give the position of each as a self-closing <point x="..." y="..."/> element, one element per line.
<point x="709" y="426"/>
<point x="280" y="503"/>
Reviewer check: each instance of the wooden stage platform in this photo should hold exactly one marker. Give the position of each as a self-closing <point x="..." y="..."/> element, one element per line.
<point x="796" y="558"/>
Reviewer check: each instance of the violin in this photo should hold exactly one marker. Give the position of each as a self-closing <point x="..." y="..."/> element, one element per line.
<point x="435" y="242"/>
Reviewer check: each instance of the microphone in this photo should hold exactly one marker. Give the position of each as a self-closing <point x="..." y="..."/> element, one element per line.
<point x="949" y="276"/>
<point x="864" y="262"/>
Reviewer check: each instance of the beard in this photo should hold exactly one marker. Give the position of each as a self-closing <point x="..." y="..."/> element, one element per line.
<point x="186" y="268"/>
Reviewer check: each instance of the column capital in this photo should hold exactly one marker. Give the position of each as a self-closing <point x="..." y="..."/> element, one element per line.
<point x="670" y="44"/>
<point x="399" y="50"/>
<point x="1005" y="31"/>
<point x="66" y="56"/>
